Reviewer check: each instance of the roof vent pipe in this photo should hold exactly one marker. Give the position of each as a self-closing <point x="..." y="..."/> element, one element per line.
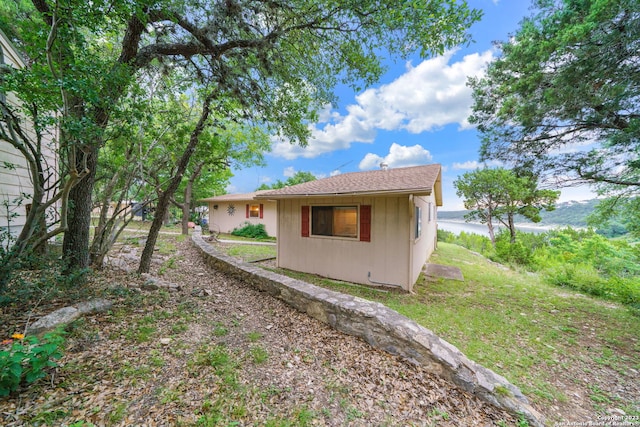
<point x="384" y="166"/>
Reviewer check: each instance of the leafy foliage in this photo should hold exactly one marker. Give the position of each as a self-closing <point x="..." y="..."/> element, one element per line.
<point x="499" y="194"/>
<point x="277" y="62"/>
<point x="253" y="231"/>
<point x="25" y="360"/>
<point x="580" y="259"/>
<point x="562" y="99"/>
<point x="298" y="178"/>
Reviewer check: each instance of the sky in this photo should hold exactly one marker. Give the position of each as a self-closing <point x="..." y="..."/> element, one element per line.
<point x="416" y="114"/>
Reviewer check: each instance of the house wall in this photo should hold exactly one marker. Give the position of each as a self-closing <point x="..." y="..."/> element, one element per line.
<point x="15" y="182"/>
<point x="423" y="246"/>
<point x="393" y="257"/>
<point x="383" y="259"/>
<point x="221" y="221"/>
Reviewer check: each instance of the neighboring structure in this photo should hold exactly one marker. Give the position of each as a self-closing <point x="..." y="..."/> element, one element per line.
<point x="16" y="186"/>
<point x="375" y="228"/>
<point x="233" y="210"/>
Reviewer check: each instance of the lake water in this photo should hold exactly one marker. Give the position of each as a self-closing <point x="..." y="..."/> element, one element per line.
<point x="457" y="227"/>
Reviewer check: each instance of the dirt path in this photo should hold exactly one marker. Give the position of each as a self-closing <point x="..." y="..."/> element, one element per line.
<point x="218" y="352"/>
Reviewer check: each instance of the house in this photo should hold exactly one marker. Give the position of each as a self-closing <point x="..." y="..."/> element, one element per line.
<point x="234" y="210"/>
<point x="16" y="184"/>
<point x="374" y="228"/>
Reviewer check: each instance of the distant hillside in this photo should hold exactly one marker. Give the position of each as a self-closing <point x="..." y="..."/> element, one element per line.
<point x="566" y="213"/>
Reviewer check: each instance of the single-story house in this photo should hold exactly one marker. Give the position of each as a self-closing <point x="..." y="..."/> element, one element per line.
<point x="231" y="211"/>
<point x="375" y="228"/>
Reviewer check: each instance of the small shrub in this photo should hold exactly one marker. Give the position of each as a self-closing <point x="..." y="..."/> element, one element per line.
<point x="252" y="231"/>
<point x="25" y="360"/>
<point x="513" y="253"/>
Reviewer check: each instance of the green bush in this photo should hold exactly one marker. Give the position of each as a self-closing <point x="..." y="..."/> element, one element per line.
<point x="253" y="231"/>
<point x="25" y="360"/>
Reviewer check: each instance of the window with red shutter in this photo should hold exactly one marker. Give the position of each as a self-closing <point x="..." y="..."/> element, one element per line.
<point x="365" y="223"/>
<point x="305" y="221"/>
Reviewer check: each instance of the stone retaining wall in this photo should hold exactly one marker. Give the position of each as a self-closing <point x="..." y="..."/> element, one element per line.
<point x="382" y="328"/>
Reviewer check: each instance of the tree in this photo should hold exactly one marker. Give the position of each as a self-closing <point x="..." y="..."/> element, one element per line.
<point x="278" y="60"/>
<point x="498" y="194"/>
<point x="562" y="99"/>
<point x="298" y="178"/>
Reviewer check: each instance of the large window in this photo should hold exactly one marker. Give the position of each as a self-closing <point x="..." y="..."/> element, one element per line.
<point x="340" y="221"/>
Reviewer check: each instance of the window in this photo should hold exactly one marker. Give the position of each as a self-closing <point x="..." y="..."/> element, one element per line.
<point x="418" y="222"/>
<point x="340" y="221"/>
<point x="254" y="211"/>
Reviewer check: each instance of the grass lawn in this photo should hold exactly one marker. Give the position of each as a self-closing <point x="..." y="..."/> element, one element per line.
<point x="555" y="344"/>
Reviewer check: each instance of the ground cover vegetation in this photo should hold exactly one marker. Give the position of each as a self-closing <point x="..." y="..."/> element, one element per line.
<point x="215" y="352"/>
<point x="575" y="356"/>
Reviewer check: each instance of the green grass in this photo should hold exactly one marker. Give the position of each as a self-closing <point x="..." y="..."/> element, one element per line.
<point x="512" y="322"/>
<point x="250" y="253"/>
<point x="229" y="236"/>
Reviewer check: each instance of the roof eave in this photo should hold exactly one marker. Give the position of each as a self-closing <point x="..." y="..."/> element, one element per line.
<point x="421" y="191"/>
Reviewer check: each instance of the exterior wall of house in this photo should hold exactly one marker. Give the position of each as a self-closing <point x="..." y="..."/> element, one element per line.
<point x="225" y="218"/>
<point x="15" y="181"/>
<point x="423" y="246"/>
<point x="384" y="260"/>
<point x="392" y="257"/>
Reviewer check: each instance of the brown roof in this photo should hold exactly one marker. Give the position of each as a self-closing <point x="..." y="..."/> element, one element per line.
<point x="411" y="180"/>
<point x="234" y="197"/>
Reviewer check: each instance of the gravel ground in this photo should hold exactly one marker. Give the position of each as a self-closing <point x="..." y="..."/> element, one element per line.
<point x="219" y="352"/>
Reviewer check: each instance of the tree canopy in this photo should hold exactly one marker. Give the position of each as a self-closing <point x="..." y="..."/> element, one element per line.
<point x="277" y="61"/>
<point x="498" y="195"/>
<point x="297" y="178"/>
<point x="563" y="98"/>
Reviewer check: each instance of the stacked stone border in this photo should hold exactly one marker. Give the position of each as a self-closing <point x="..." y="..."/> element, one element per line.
<point x="382" y="328"/>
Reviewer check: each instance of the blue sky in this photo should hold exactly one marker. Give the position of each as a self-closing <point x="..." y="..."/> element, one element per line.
<point x="416" y="114"/>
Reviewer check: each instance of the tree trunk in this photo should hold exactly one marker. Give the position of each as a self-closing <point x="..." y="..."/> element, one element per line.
<point x="75" y="246"/>
<point x="185" y="208"/>
<point x="512" y="228"/>
<point x="166" y="196"/>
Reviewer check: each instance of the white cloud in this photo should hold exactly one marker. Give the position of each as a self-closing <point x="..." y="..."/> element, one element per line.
<point x="399" y="156"/>
<point x="289" y="171"/>
<point x="426" y="97"/>
<point x="471" y="164"/>
<point x="474" y="164"/>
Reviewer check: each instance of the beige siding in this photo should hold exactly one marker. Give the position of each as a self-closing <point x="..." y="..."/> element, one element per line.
<point x="220" y="220"/>
<point x="383" y="259"/>
<point x="393" y="256"/>
<point x="15" y="182"/>
<point x="423" y="246"/>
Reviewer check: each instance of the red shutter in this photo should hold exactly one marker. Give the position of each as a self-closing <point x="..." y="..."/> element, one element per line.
<point x="365" y="223"/>
<point x="247" y="211"/>
<point x="261" y="210"/>
<point x="305" y="221"/>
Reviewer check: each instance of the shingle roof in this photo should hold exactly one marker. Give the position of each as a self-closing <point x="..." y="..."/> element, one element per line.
<point x="410" y="180"/>
<point x="234" y="197"/>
